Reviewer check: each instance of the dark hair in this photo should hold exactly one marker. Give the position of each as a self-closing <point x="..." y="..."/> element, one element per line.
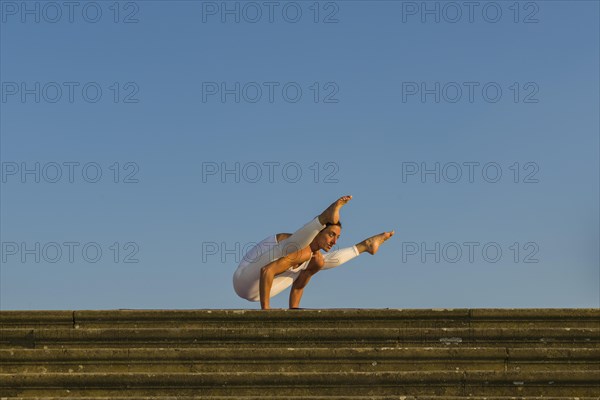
<point x="339" y="223"/>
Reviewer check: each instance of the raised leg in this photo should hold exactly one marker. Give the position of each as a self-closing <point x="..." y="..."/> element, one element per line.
<point x="371" y="245"/>
<point x="302" y="238"/>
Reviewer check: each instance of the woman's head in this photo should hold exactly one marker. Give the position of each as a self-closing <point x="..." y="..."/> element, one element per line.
<point x="329" y="236"/>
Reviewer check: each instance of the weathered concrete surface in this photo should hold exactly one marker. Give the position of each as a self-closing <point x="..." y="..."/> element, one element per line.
<point x="438" y="354"/>
<point x="418" y="397"/>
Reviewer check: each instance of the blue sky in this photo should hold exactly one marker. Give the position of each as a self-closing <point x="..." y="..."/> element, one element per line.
<point x="475" y="136"/>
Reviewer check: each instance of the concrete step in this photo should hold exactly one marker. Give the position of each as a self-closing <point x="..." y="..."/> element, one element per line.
<point x="482" y="383"/>
<point x="323" y="337"/>
<point x="297" y="359"/>
<point x="395" y="397"/>
<point x="306" y="318"/>
<point x="314" y="354"/>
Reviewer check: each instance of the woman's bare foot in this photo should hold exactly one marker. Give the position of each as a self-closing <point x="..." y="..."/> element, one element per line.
<point x="371" y="245"/>
<point x="332" y="213"/>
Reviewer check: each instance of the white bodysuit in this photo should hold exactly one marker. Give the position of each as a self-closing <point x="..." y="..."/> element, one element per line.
<point x="246" y="279"/>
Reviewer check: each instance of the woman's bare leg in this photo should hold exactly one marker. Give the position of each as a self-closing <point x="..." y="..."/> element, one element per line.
<point x="305" y="235"/>
<point x="370" y="245"/>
